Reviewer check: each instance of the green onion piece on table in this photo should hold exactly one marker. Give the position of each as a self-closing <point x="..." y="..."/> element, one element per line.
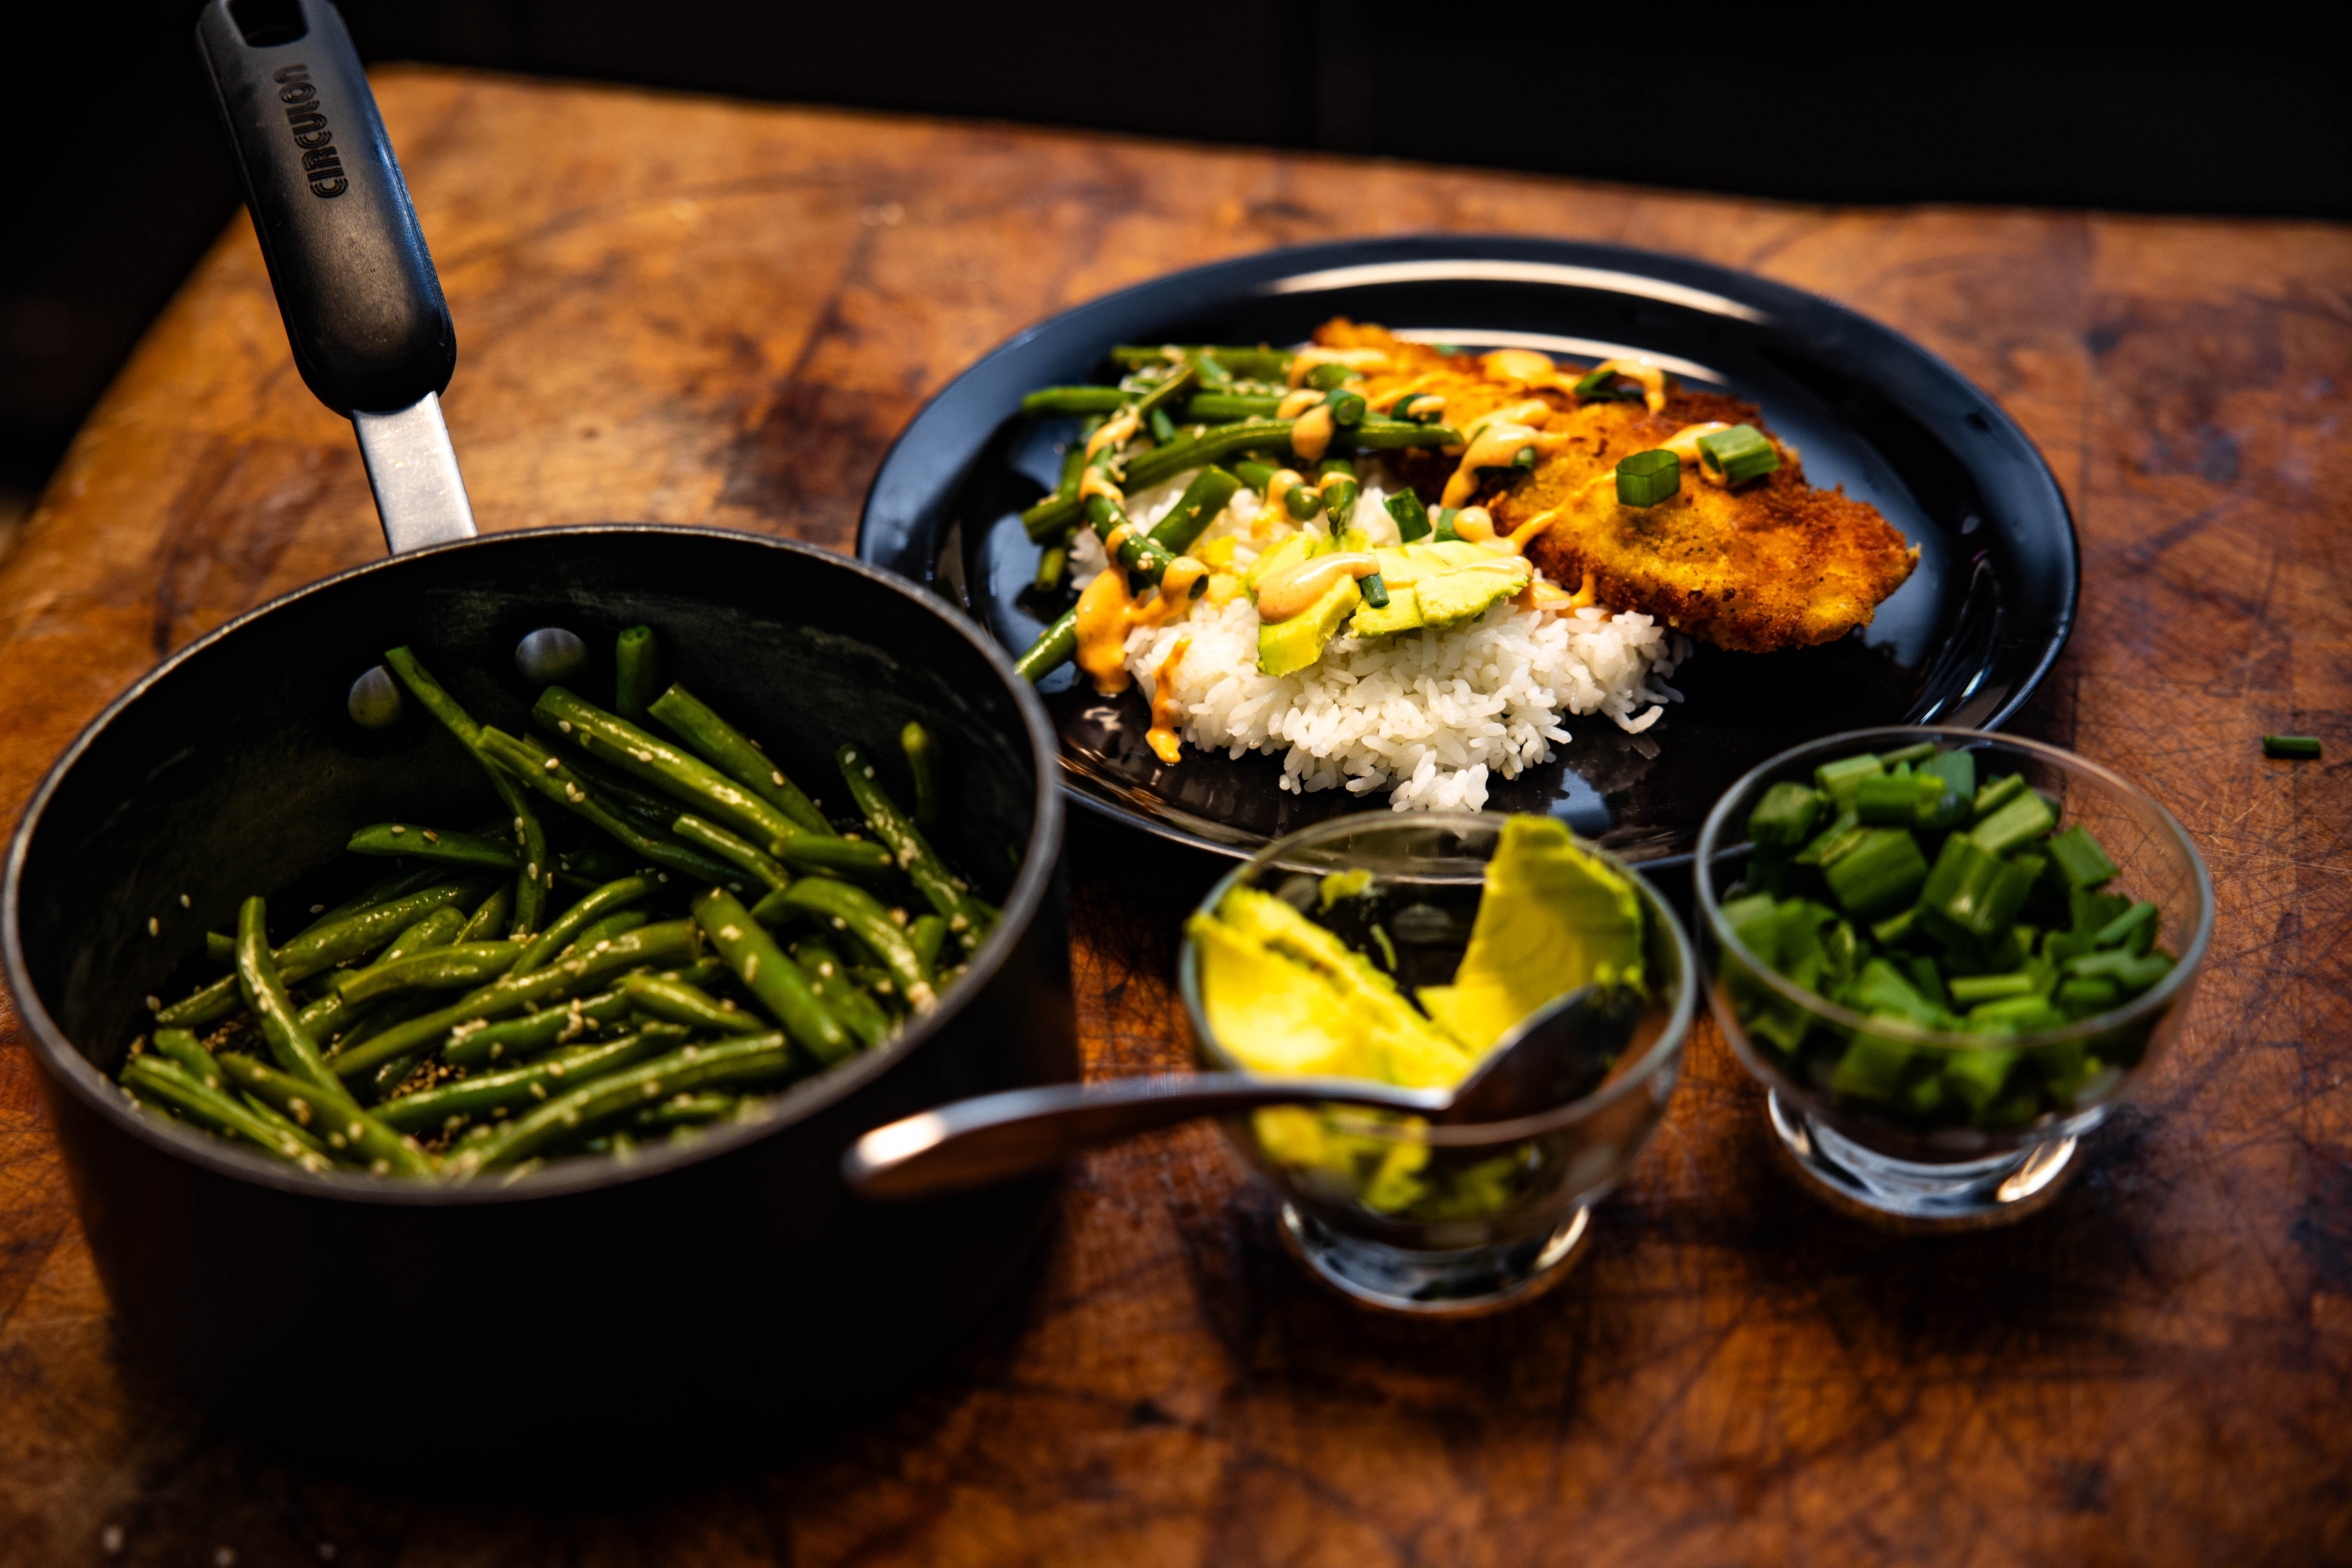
<point x="2298" y="747"/>
<point x="1647" y="478"/>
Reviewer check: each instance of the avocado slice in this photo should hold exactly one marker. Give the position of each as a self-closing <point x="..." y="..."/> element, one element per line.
<point x="1553" y="917"/>
<point x="1386" y="1038"/>
<point x="1289" y="553"/>
<point x="1285" y="647"/>
<point x="1278" y="1015"/>
<point x="1467" y="592"/>
<point x="1401" y="614"/>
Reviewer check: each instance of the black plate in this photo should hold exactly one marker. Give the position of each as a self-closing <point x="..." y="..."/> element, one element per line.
<point x="1964" y="642"/>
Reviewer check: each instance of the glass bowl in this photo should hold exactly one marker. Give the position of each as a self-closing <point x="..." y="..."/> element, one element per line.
<point x="1935" y="1160"/>
<point x="1391" y="1210"/>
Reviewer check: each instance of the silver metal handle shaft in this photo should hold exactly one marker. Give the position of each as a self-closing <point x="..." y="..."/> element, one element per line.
<point x="419" y="494"/>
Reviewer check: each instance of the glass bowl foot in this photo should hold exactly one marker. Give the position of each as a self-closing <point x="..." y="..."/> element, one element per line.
<point x="1468" y="1283"/>
<point x="1917" y="1196"/>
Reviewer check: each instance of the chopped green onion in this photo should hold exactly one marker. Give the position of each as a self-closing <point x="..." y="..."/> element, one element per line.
<point x="1445" y="534"/>
<point x="2080" y="859"/>
<point x="1890" y="800"/>
<point x="1882" y="871"/>
<point x="1918" y="753"/>
<point x="2083" y="997"/>
<point x="1784" y="818"/>
<point x="1347" y="407"/>
<point x="2290" y="745"/>
<point x="1840" y="778"/>
<point x="1737" y="455"/>
<point x="1411" y="517"/>
<point x="1958" y="771"/>
<point x="1976" y="1075"/>
<point x="1999" y="793"/>
<point x="2026" y="817"/>
<point x="1647" y="478"/>
<point x="2134" y="929"/>
<point x="1302" y="501"/>
<point x="1375" y="589"/>
<point x="1595" y="383"/>
<point x="1973" y="989"/>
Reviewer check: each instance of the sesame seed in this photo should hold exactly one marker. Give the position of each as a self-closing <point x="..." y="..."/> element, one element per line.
<point x="155" y="1003"/>
<point x="531" y="870"/>
<point x="840" y="924"/>
<point x="183" y="901"/>
<point x="854" y="837"/>
<point x="882" y="986"/>
<point x="824" y="971"/>
<point x="431" y="837"/>
<point x="397" y="830"/>
<point x="518" y="824"/>
<point x="653" y="1087"/>
<point x="730" y="932"/>
<point x="553" y="763"/>
<point x="318" y="909"/>
<point x="898" y="915"/>
<point x="378" y="1167"/>
<point x="957" y="923"/>
<point x="224" y="1556"/>
<point x="538" y="1091"/>
<point x="661" y="876"/>
<point x="154" y="926"/>
<point x="336" y="1140"/>
<point x="110" y="1540"/>
<point x="778" y="777"/>
<point x="354" y="1131"/>
<point x="571" y="1119"/>
<point x="564" y="725"/>
<point x="869" y="770"/>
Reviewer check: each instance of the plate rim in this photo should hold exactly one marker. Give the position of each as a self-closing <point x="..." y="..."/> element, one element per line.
<point x="1734" y="293"/>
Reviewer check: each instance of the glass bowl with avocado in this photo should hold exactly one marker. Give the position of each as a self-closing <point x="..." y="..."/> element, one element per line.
<point x="1947" y="954"/>
<point x="1411" y="949"/>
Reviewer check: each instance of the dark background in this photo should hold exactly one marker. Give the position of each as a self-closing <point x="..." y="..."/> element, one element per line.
<point x="117" y="177"/>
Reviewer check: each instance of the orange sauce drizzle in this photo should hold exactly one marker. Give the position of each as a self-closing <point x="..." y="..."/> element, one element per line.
<point x="1166" y="744"/>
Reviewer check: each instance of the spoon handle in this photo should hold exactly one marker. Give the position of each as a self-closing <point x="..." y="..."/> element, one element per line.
<point x="996" y="1137"/>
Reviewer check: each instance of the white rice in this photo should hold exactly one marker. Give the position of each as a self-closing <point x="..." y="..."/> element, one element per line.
<point x="1434" y="715"/>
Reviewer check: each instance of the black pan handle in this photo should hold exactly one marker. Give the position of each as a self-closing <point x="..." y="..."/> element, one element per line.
<point x="371" y="333"/>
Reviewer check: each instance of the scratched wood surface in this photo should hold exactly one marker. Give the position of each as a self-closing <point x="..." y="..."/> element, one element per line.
<point x="712" y="313"/>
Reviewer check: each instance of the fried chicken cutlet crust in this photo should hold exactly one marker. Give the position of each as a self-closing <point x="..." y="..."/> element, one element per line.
<point x="1770" y="564"/>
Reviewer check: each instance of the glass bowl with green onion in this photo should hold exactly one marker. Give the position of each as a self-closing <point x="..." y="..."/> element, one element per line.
<point x="1947" y="954"/>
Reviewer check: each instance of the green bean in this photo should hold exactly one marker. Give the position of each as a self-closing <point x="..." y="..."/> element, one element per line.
<point x="829" y="977"/>
<point x="928" y="933"/>
<point x="649" y="809"/>
<point x="442" y="969"/>
<point x="492" y="919"/>
<point x="1225" y="407"/>
<point x="675" y="1002"/>
<point x="611" y="929"/>
<point x="531" y="886"/>
<point x="637" y="680"/>
<point x="1226" y="440"/>
<point x="285" y="1126"/>
<point x="333" y="1013"/>
<point x="739" y="852"/>
<point x="1053" y="562"/>
<point x="1203" y="500"/>
<point x="331" y="1113"/>
<point x="319" y="949"/>
<point x="534" y="1033"/>
<point x="399" y="884"/>
<point x="771" y="976"/>
<point x="264" y="989"/>
<point x="592" y="868"/>
<point x="923" y="763"/>
<point x="1051" y="400"/>
<point x="1272" y="364"/>
<point x="170" y="1087"/>
<point x="181" y="1048"/>
<point x="687" y="778"/>
<point x="219" y="949"/>
<point x="443" y="844"/>
<point x="616" y="894"/>
<point x="439" y="1108"/>
<point x="967" y="920"/>
<point x="685" y="1111"/>
<point x="750" y="1059"/>
<point x="545" y="772"/>
<point x="838" y="857"/>
<point x="858" y="912"/>
<point x="727" y="748"/>
<point x="671" y="941"/>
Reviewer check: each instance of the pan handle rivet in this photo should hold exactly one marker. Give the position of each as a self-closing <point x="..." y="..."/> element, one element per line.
<point x="551" y="656"/>
<point x="375" y="701"/>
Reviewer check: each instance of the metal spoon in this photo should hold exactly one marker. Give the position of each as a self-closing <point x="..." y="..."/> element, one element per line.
<point x="1553" y="1057"/>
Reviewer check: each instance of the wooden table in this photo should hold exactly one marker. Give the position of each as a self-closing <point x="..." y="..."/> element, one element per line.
<point x="714" y="314"/>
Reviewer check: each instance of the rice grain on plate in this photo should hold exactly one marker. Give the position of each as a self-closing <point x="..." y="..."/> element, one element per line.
<point x="1431" y="715"/>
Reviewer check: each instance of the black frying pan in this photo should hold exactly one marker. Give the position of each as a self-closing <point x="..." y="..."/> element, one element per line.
<point x="730" y="1281"/>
